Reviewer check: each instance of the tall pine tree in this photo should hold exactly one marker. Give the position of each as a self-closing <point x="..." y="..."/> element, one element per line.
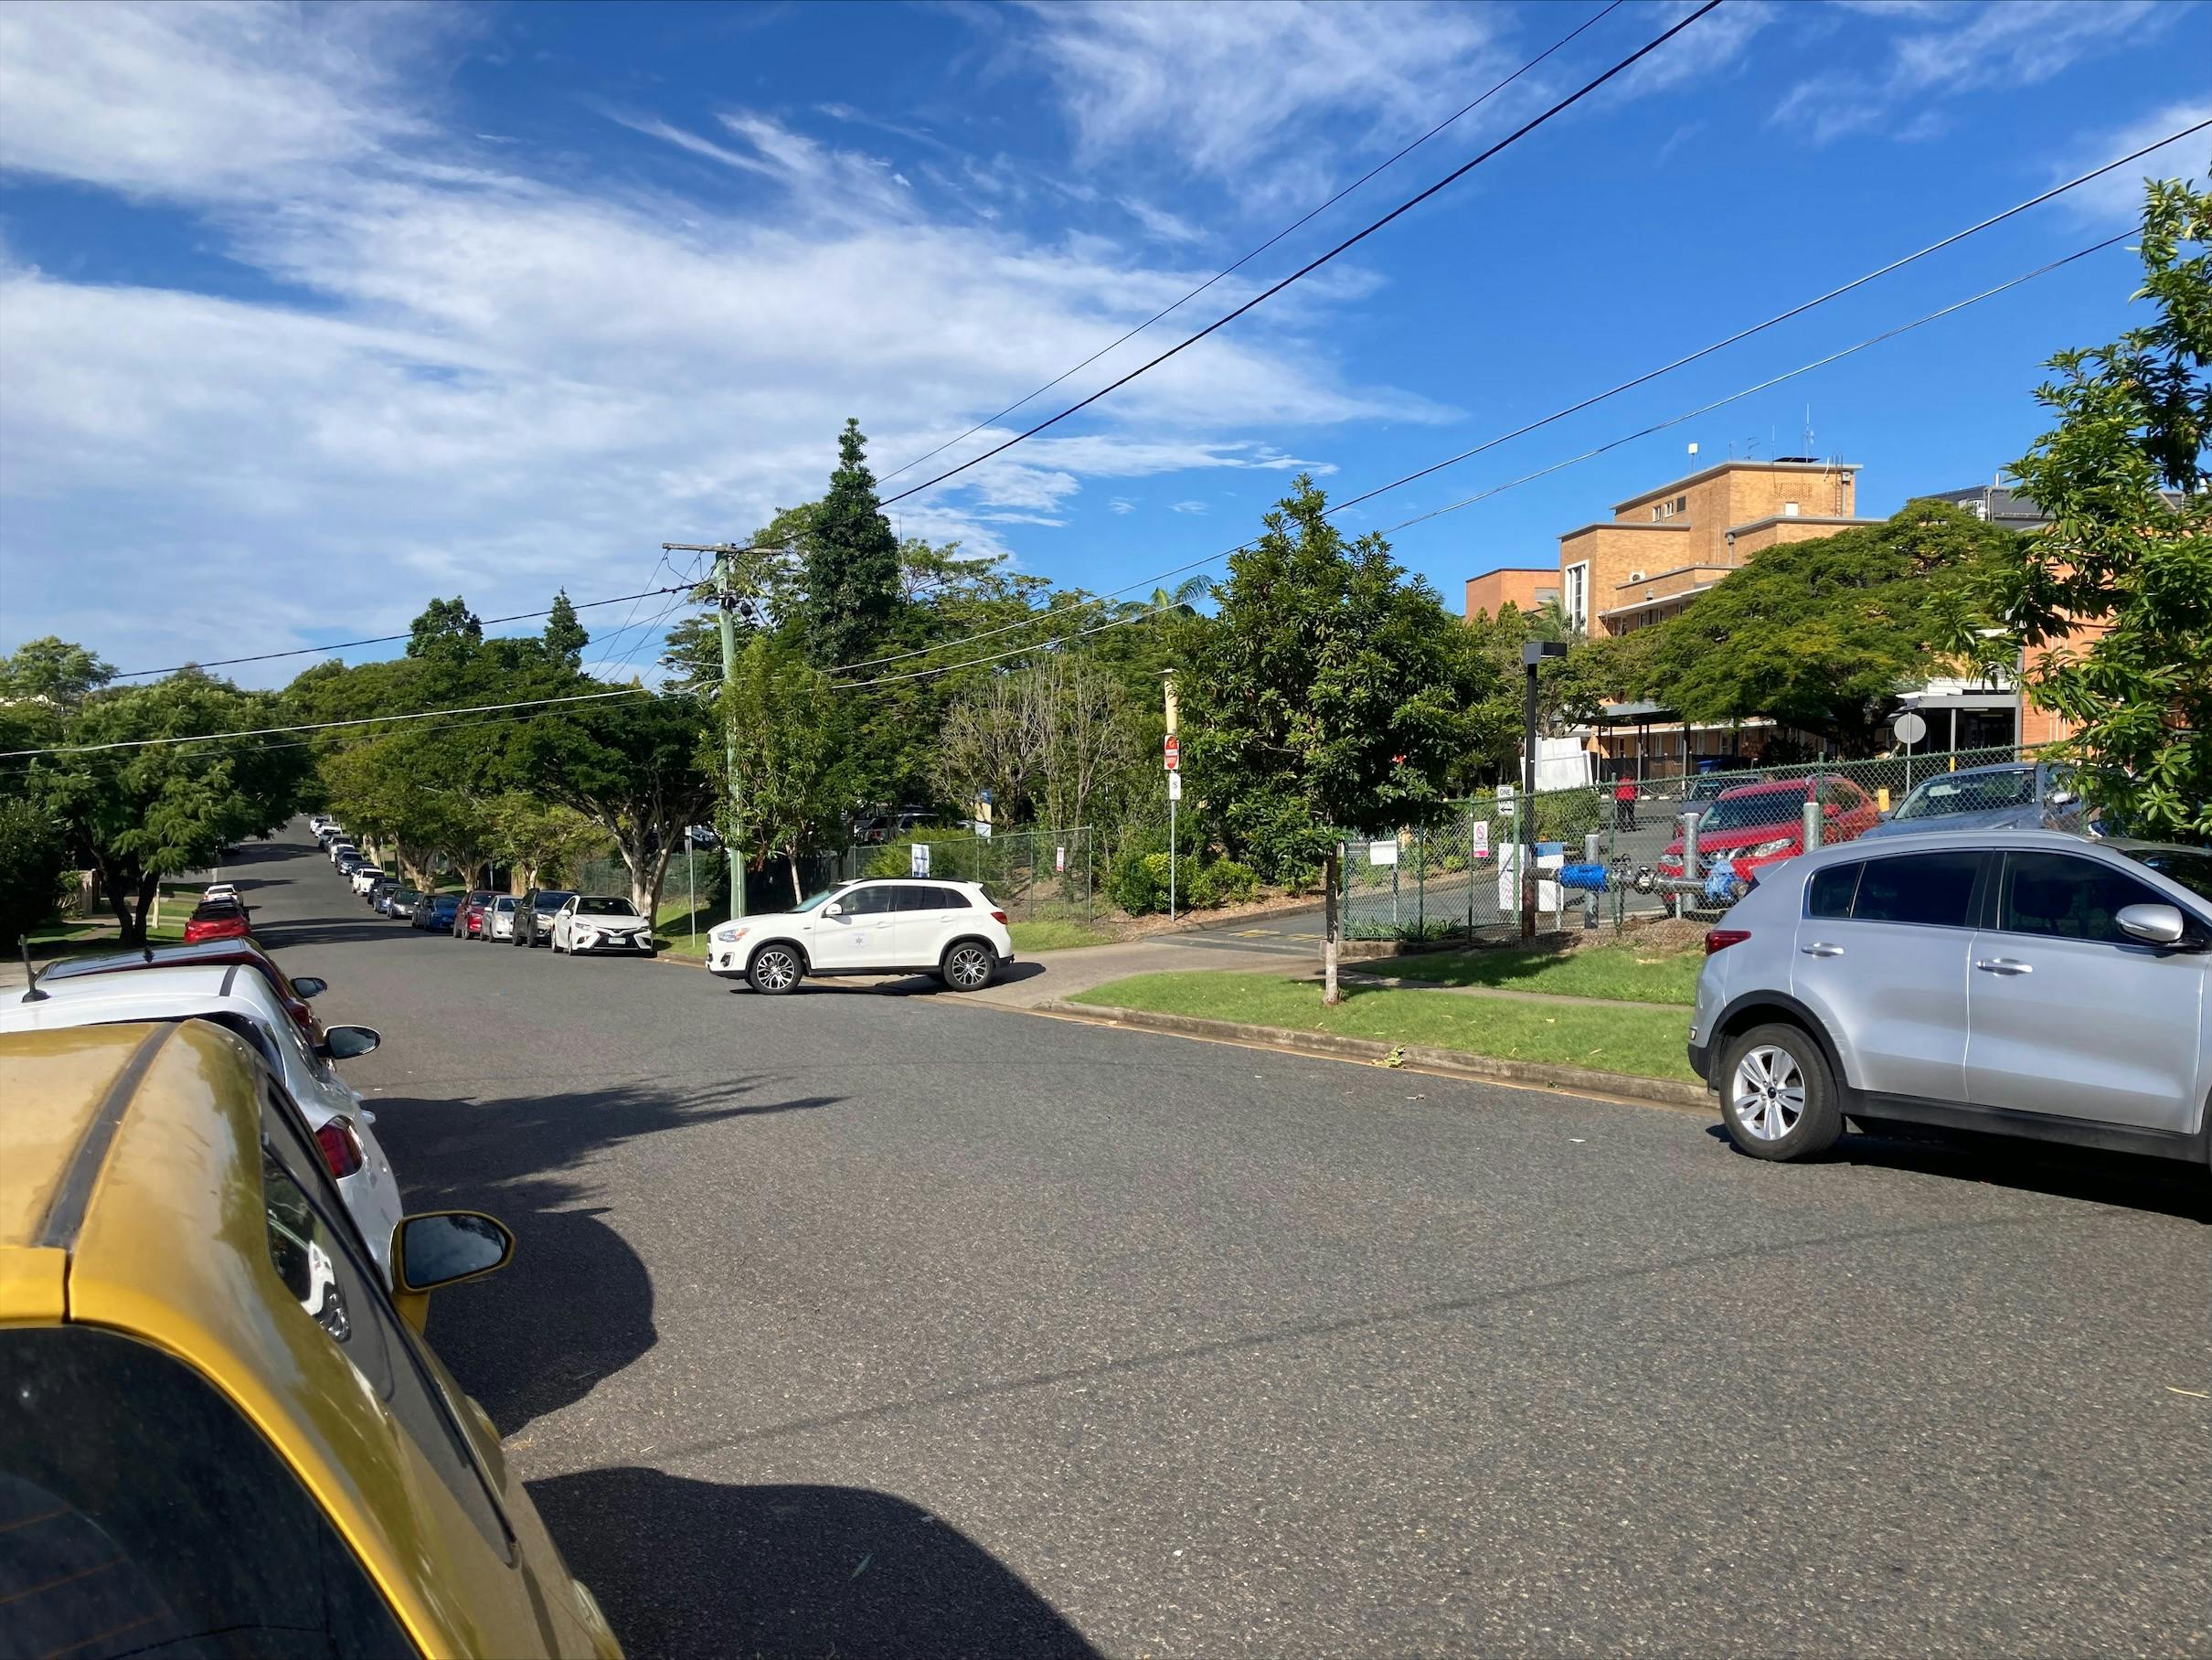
<point x="565" y="636"/>
<point x="852" y="562"/>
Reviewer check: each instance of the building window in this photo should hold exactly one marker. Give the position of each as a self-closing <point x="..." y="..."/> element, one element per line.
<point x="1789" y="509"/>
<point x="1577" y="580"/>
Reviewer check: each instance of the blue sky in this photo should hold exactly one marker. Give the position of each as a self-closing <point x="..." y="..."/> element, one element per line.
<point x="308" y="314"/>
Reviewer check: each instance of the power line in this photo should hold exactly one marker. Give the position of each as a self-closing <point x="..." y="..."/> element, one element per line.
<point x="1560" y="414"/>
<point x="1295" y="225"/>
<point x="536" y="705"/>
<point x="342" y="645"/>
<point x="1315" y="264"/>
<point x="318" y="726"/>
<point x="1889" y="334"/>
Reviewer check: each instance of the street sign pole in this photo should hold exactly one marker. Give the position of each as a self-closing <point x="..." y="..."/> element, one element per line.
<point x="1172" y="758"/>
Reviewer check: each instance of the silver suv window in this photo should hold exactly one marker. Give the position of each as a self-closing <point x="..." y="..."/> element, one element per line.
<point x="1926" y="890"/>
<point x="2065" y="898"/>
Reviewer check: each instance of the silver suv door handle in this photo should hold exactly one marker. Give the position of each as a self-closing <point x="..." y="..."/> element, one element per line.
<point x="2004" y="965"/>
<point x="1820" y="948"/>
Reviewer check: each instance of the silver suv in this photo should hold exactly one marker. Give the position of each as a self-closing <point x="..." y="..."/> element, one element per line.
<point x="2026" y="981"/>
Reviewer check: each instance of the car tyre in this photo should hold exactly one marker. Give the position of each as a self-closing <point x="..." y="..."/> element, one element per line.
<point x="968" y="967"/>
<point x="774" y="970"/>
<point x="1778" y="1097"/>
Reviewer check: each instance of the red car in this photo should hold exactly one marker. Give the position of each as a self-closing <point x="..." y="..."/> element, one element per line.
<point x="1758" y="825"/>
<point x="476" y="915"/>
<point x="216" y="919"/>
<point x="292" y="993"/>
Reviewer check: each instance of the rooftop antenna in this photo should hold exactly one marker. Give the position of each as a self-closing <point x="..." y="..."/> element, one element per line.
<point x="1808" y="449"/>
<point x="31" y="994"/>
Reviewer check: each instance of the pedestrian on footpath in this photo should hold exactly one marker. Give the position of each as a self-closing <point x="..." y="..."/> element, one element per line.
<point x="1624" y="804"/>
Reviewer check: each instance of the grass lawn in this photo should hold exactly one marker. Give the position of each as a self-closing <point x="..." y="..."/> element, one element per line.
<point x="1055" y="934"/>
<point x="1643" y="1042"/>
<point x="1622" y="972"/>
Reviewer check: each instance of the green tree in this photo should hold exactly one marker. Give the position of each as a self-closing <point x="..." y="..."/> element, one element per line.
<point x="792" y="783"/>
<point x="33" y="860"/>
<point x="2119" y="586"/>
<point x="852" y="562"/>
<point x="446" y="627"/>
<point x="565" y="637"/>
<point x="52" y="671"/>
<point x="1330" y="692"/>
<point x="1823" y="634"/>
<point x="534" y="838"/>
<point x="632" y="766"/>
<point x="133" y="814"/>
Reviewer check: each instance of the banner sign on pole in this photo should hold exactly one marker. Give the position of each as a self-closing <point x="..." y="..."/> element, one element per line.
<point x="1060" y="861"/>
<point x="920" y="853"/>
<point x="1174" y="786"/>
<point x="1482" y="838"/>
<point x="1172" y="752"/>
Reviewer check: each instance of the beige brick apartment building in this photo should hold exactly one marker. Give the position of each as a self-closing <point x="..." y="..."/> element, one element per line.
<point x="1663" y="547"/>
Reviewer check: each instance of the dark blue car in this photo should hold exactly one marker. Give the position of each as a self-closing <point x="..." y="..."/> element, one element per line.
<point x="437" y="912"/>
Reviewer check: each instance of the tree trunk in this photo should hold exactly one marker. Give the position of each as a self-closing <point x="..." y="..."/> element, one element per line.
<point x="148" y="885"/>
<point x="791" y="855"/>
<point x="1330" y="996"/>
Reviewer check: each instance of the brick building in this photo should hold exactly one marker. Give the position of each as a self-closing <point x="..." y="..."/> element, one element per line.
<point x="1665" y="546"/>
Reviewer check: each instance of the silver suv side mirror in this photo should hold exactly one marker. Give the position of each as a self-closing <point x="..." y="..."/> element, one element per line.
<point x="2152" y="924"/>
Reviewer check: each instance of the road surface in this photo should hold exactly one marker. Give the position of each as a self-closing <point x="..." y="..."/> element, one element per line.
<point x="876" y="1321"/>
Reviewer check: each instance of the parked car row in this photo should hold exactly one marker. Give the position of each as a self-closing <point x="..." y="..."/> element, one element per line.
<point x="574" y="923"/>
<point x="222" y="1430"/>
<point x="1750" y="827"/>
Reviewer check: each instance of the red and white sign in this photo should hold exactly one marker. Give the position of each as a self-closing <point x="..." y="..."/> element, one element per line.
<point x="1174" y="754"/>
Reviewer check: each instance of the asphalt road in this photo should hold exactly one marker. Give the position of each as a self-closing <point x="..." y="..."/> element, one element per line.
<point x="876" y="1321"/>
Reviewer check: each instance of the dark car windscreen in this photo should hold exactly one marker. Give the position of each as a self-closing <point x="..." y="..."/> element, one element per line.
<point x="2191" y="867"/>
<point x="1975" y="793"/>
<point x="604" y="908"/>
<point x="143" y="1515"/>
<point x="1742" y="811"/>
<point x="552" y="899"/>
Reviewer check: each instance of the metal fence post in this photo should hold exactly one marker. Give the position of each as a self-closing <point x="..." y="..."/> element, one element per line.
<point x="1421" y="883"/>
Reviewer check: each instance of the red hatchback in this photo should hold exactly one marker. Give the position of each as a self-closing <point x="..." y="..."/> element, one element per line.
<point x="1759" y="825"/>
<point x="217" y="919"/>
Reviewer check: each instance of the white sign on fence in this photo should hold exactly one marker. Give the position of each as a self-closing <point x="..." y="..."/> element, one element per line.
<point x="1482" y="838"/>
<point x="1060" y="861"/>
<point x="921" y="853"/>
<point x="1382" y="853"/>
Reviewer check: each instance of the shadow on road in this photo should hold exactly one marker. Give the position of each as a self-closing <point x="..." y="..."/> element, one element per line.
<point x="2164" y="1187"/>
<point x="789" y="1571"/>
<point x="576" y="1304"/>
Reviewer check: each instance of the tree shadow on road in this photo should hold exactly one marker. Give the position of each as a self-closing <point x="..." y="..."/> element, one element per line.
<point x="575" y="1306"/>
<point x="688" y="1567"/>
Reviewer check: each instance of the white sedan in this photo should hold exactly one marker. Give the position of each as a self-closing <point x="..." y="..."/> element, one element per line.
<point x="243" y="1005"/>
<point x="595" y="922"/>
<point x="953" y="930"/>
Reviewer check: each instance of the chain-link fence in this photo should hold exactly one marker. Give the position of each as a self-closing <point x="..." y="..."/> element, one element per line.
<point x="1605" y="852"/>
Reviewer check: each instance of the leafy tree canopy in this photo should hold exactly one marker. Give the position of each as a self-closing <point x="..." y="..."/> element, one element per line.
<point x="565" y="637"/>
<point x="1823" y="634"/>
<point x="851" y="561"/>
<point x="2119" y="586"/>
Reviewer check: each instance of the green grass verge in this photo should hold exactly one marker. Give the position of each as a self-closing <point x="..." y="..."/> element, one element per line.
<point x="1641" y="1042"/>
<point x="1055" y="934"/>
<point x="1621" y="972"/>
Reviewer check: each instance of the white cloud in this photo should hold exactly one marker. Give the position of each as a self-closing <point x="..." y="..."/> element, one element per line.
<point x="1188" y="508"/>
<point x="490" y="382"/>
<point x="1224" y="88"/>
<point x="2118" y="196"/>
<point x="1121" y="503"/>
<point x="1940" y="53"/>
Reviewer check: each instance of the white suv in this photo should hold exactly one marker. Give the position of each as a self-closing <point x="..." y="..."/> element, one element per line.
<point x="897" y="926"/>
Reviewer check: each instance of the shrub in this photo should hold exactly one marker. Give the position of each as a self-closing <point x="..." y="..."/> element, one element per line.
<point x="1231" y="883"/>
<point x="1130" y="883"/>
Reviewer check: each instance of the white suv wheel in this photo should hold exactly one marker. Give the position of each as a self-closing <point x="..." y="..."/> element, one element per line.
<point x="1770" y="1093"/>
<point x="968" y="967"/>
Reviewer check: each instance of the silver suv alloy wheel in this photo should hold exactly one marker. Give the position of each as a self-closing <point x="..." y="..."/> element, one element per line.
<point x="968" y="968"/>
<point x="1770" y="1093"/>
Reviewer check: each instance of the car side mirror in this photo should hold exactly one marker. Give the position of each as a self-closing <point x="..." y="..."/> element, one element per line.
<point x="446" y="1246"/>
<point x="2063" y="798"/>
<point x="2152" y="924"/>
<point x="832" y="909"/>
<point x="307" y="986"/>
<point x="348" y="1042"/>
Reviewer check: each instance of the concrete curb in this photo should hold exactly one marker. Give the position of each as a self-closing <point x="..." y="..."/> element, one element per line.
<point x="1536" y="1074"/>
